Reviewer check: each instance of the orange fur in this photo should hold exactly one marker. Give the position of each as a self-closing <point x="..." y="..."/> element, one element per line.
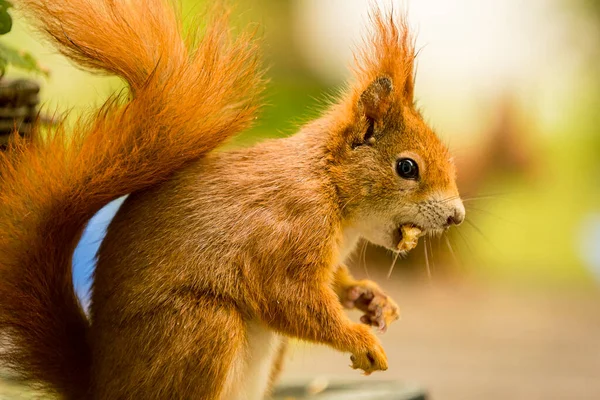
<point x="182" y="103"/>
<point x="215" y="258"/>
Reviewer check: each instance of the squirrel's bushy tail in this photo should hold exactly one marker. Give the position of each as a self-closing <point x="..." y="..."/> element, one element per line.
<point x="187" y="95"/>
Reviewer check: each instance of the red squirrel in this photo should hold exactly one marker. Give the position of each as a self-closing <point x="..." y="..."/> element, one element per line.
<point x="216" y="257"/>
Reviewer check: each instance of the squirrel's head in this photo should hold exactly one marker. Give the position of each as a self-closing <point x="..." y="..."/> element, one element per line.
<point x="389" y="167"/>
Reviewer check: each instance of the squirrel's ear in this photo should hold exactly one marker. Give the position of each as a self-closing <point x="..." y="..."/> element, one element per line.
<point x="377" y="98"/>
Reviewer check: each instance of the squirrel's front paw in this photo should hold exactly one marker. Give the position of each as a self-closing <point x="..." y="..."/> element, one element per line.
<point x="380" y="310"/>
<point x="370" y="359"/>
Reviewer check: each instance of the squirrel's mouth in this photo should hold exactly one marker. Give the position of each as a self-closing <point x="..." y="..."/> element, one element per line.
<point x="407" y="237"/>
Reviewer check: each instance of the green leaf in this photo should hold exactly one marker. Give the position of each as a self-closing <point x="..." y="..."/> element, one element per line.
<point x="19" y="59"/>
<point x="5" y="22"/>
<point x="5" y="18"/>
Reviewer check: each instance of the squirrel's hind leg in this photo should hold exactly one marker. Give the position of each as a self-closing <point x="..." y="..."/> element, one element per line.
<point x="185" y="349"/>
<point x="277" y="365"/>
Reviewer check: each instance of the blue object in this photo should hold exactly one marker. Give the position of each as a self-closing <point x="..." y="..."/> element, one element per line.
<point x="84" y="258"/>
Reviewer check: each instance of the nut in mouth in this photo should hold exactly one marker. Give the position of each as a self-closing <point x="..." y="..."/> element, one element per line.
<point x="409" y="237"/>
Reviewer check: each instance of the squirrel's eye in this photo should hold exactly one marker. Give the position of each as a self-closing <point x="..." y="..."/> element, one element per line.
<point x="407" y="168"/>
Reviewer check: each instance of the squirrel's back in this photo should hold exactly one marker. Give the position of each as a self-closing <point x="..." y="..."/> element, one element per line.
<point x="182" y="102"/>
<point x="172" y="229"/>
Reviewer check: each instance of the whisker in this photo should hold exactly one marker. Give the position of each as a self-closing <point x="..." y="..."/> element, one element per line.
<point x="447" y="199"/>
<point x="473" y="198"/>
<point x="489" y="196"/>
<point x="364" y="258"/>
<point x="430" y="242"/>
<point x="468" y="199"/>
<point x="462" y="236"/>
<point x="393" y="264"/>
<point x="483" y="235"/>
<point x="447" y="239"/>
<point x="426" y="257"/>
<point x="493" y="215"/>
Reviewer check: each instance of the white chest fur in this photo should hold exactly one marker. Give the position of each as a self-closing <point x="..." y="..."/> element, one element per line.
<point x="249" y="377"/>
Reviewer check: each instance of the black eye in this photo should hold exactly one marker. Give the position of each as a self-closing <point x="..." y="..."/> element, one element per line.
<point x="407" y="168"/>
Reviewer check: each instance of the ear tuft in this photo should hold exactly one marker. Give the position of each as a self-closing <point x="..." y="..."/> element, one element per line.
<point x="377" y="97"/>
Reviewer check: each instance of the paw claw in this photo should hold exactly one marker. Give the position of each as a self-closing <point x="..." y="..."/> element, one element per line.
<point x="379" y="309"/>
<point x="370" y="360"/>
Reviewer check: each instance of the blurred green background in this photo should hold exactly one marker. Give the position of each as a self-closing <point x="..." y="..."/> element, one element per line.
<point x="514" y="88"/>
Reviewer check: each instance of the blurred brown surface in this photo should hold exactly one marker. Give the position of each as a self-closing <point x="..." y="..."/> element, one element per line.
<point x="463" y="341"/>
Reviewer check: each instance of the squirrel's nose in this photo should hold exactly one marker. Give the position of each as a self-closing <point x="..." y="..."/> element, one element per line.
<point x="458" y="214"/>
